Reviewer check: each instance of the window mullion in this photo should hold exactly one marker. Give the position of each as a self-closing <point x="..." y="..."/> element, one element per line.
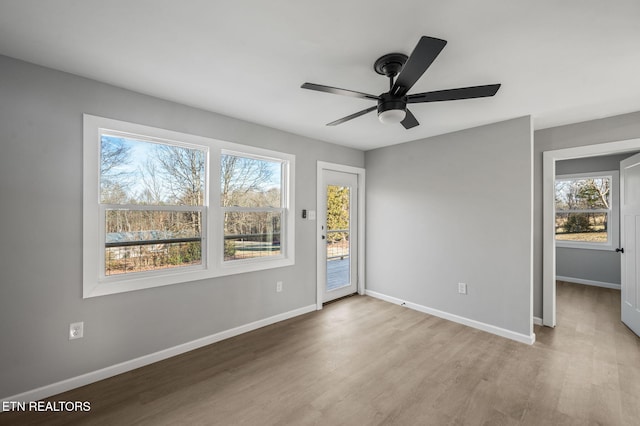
<point x="252" y="209"/>
<point x="152" y="207"/>
<point x="585" y="211"/>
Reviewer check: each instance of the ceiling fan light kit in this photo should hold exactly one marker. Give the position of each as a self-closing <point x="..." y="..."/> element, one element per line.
<point x="403" y="72"/>
<point x="391" y="110"/>
<point x="392" y="116"/>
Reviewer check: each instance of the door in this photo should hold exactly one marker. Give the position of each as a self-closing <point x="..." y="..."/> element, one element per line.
<point x="629" y="240"/>
<point x="339" y="234"/>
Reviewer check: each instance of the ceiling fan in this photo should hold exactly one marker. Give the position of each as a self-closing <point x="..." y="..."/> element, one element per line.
<point x="406" y="70"/>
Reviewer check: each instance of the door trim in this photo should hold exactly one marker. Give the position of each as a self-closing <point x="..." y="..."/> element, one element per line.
<point x="320" y="266"/>
<point x="549" y="159"/>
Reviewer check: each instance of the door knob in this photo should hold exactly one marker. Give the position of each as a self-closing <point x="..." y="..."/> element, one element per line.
<point x="620" y="250"/>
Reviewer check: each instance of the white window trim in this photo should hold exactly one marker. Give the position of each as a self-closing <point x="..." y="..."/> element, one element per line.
<point x="613" y="236"/>
<point x="213" y="245"/>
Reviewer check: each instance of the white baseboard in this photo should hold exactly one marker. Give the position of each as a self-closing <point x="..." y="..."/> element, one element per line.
<point x="537" y="321"/>
<point x="588" y="282"/>
<point x="123" y="367"/>
<point x="518" y="337"/>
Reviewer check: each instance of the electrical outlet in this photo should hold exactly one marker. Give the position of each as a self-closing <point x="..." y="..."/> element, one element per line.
<point x="76" y="330"/>
<point x="462" y="288"/>
<point x="279" y="286"/>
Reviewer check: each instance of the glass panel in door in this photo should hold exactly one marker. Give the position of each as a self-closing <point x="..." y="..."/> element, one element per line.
<point x="338" y="237"/>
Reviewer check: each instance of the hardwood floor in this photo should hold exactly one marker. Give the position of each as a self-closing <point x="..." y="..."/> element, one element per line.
<point x="362" y="361"/>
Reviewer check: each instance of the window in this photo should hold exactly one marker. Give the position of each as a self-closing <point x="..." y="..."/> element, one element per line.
<point x="253" y="206"/>
<point x="152" y="198"/>
<point x="147" y="217"/>
<point x="586" y="210"/>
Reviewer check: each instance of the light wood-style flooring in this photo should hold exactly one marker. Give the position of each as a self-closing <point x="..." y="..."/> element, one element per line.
<point x="362" y="361"/>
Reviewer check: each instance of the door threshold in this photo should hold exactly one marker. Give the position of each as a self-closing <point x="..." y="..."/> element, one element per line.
<point x="339" y="298"/>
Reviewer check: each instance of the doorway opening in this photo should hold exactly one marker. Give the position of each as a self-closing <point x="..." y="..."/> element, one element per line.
<point x="549" y="218"/>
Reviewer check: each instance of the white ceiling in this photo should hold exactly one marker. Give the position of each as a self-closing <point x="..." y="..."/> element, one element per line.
<point x="560" y="61"/>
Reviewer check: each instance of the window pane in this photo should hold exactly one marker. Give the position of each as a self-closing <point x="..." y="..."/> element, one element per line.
<point x="583" y="193"/>
<point x="250" y="182"/>
<point x="140" y="172"/>
<point x="582" y="227"/>
<point x="150" y="240"/>
<point x="249" y="235"/>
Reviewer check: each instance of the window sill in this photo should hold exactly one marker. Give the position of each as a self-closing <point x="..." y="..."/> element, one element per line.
<point x="141" y="282"/>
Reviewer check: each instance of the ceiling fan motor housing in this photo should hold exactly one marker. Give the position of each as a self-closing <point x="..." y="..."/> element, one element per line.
<point x="388" y="102"/>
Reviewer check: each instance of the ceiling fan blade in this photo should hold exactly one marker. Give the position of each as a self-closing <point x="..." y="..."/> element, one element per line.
<point x="409" y="121"/>
<point x="337" y="91"/>
<point x="425" y="52"/>
<point x="454" y="94"/>
<point x="352" y="116"/>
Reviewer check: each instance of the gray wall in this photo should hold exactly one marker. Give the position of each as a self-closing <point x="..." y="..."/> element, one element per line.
<point x="602" y="163"/>
<point x="593" y="265"/>
<point x="41" y="228"/>
<point x="612" y="129"/>
<point x="455" y="208"/>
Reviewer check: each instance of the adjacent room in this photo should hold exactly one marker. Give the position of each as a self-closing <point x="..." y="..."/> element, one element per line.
<point x="351" y="212"/>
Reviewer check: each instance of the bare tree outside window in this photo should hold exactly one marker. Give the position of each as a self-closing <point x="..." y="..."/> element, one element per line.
<point x="115" y="178"/>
